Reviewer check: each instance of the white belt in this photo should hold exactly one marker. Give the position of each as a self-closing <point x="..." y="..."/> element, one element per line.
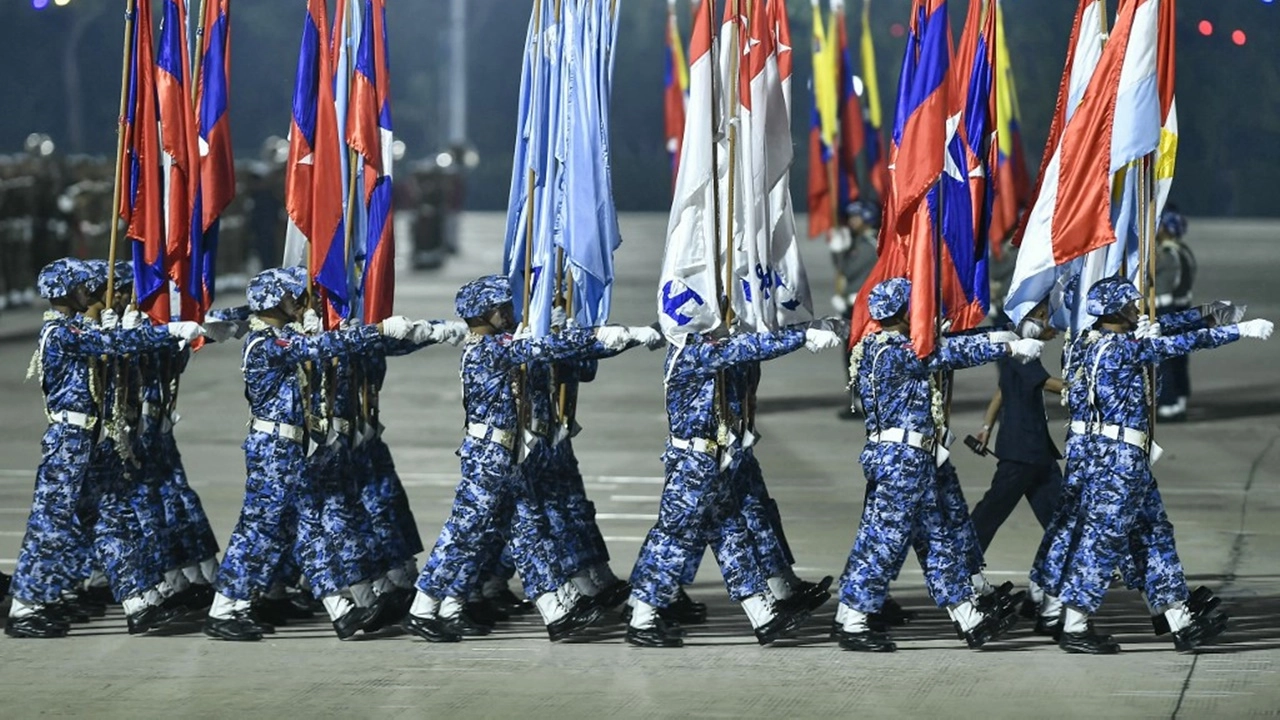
<point x="1115" y="432"/>
<point x="279" y="429"/>
<point x="484" y="431"/>
<point x="701" y="445"/>
<point x="902" y="435"/>
<point x="74" y="419"/>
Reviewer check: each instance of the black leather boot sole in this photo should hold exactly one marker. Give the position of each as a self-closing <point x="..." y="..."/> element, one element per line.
<point x="153" y="617"/>
<point x="429" y="629"/>
<point x="1201" y="631"/>
<point x="356" y="619"/>
<point x="583" y="613"/>
<point x="867" y="641"/>
<point x="1088" y="643"/>
<point x="467" y="626"/>
<point x="659" y="635"/>
<point x="237" y="628"/>
<point x="38" y="626"/>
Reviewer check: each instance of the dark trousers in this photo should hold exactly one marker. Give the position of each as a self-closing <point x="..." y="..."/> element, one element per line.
<point x="1039" y="483"/>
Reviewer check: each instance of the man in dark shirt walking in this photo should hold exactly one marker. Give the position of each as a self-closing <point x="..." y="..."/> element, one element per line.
<point x="1027" y="457"/>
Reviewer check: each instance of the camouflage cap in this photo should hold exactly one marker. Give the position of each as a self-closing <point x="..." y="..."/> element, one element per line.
<point x="478" y="297"/>
<point x="1109" y="295"/>
<point x="887" y="298"/>
<point x="57" y="279"/>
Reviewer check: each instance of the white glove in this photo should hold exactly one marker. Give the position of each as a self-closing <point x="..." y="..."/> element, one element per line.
<point x="422" y="332"/>
<point x="132" y="320"/>
<point x="1257" y="329"/>
<point x="817" y="339"/>
<point x="647" y="336"/>
<point x="453" y="332"/>
<point x="996" y="337"/>
<point x="524" y="332"/>
<point x="396" y="327"/>
<point x="559" y="318"/>
<point x="218" y="330"/>
<point x="1146" y="329"/>
<point x="829" y="324"/>
<point x="185" y="330"/>
<point x="108" y="320"/>
<point x="613" y="337"/>
<point x="946" y="325"/>
<point x="1026" y="349"/>
<point x="310" y="322"/>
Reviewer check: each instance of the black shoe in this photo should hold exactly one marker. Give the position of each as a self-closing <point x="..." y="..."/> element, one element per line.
<point x="614" y="595"/>
<point x="1202" y="630"/>
<point x="1088" y="642"/>
<point x="99" y="595"/>
<point x="1002" y="602"/>
<point x="1029" y="610"/>
<point x="5" y="582"/>
<point x="865" y="641"/>
<point x="1049" y="626"/>
<point x="67" y="612"/>
<point x="891" y="614"/>
<point x="581" y="615"/>
<point x="980" y="634"/>
<point x="812" y="596"/>
<point x="660" y="634"/>
<point x="787" y="621"/>
<point x="355" y="620"/>
<point x="684" y="611"/>
<point x="195" y="599"/>
<point x="512" y="603"/>
<point x="237" y="628"/>
<point x="82" y="603"/>
<point x="1201" y="603"/>
<point x="304" y="602"/>
<point x="431" y="629"/>
<point x="465" y="625"/>
<point x="39" y="624"/>
<point x="152" y="617"/>
<point x="485" y="612"/>
<point x="265" y="626"/>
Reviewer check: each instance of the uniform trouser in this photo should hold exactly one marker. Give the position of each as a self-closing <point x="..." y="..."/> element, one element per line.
<point x="385" y="468"/>
<point x="698" y="507"/>
<point x="192" y="536"/>
<point x="493" y="503"/>
<point x="904" y="488"/>
<point x="357" y="555"/>
<point x="1121" y="513"/>
<point x="378" y="499"/>
<point x="125" y="542"/>
<point x="1055" y="545"/>
<point x="281" y="511"/>
<point x="50" y="551"/>
<point x="567" y="495"/>
<point x="956" y="520"/>
<point x="1040" y="483"/>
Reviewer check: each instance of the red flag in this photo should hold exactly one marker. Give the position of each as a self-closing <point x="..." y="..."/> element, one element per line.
<point x="178" y="139"/>
<point x="141" y="204"/>
<point x="920" y="128"/>
<point x="852" y="125"/>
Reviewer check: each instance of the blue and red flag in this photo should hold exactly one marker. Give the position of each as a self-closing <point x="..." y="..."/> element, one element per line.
<point x="313" y="174"/>
<point x="849" y="105"/>
<point x="141" y="203"/>
<point x="217" y="162"/>
<point x="178" y="140"/>
<point x="369" y="133"/>
<point x="920" y="124"/>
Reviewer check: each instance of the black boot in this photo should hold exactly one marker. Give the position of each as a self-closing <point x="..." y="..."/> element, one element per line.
<point x="981" y="634"/>
<point x="5" y="582"/>
<point x="684" y="611"/>
<point x="465" y="625"/>
<point x="39" y="624"/>
<point x="892" y="614"/>
<point x="614" y="595"/>
<point x="512" y="603"/>
<point x="1202" y="630"/>
<point x="431" y="629"/>
<point x="485" y="612"/>
<point x="68" y="613"/>
<point x="355" y="620"/>
<point x="1029" y="610"/>
<point x="1088" y="642"/>
<point x="810" y="595"/>
<point x="100" y="594"/>
<point x="1049" y="626"/>
<point x="583" y="613"/>
<point x="788" y="620"/>
<point x="152" y="617"/>
<point x="82" y="603"/>
<point x="196" y="598"/>
<point x="240" y="627"/>
<point x="1202" y="602"/>
<point x="865" y="641"/>
<point x="658" y="634"/>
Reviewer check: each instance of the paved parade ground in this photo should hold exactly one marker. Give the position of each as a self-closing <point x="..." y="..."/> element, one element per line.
<point x="1220" y="478"/>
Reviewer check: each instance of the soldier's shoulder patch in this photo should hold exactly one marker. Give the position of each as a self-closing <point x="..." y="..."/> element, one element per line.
<point x="281" y="342"/>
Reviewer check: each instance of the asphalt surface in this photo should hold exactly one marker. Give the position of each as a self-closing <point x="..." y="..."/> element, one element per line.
<point x="1220" y="478"/>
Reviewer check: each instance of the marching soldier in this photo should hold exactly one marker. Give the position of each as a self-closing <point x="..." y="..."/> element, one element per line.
<point x="1175" y="277"/>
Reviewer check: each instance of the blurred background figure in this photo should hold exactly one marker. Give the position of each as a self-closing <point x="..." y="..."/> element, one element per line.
<point x="1175" y="276"/>
<point x="854" y="251"/>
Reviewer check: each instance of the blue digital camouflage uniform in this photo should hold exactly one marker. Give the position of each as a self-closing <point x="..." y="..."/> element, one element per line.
<point x="1120" y="505"/>
<point x="278" y="498"/>
<point x="698" y="505"/>
<point x="51" y="556"/>
<point x="191" y="537"/>
<point x="492" y="498"/>
<point x="893" y="385"/>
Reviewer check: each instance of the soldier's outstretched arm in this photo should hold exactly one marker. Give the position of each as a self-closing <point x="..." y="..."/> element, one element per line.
<point x="1155" y="349"/>
<point x="744" y="348"/>
<point x="1183" y="321"/>
<point x="141" y="339"/>
<point x="352" y="341"/>
<point x="965" y="351"/>
<point x="568" y="343"/>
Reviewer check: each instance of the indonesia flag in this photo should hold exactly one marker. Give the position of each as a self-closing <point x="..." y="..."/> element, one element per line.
<point x="141" y="203"/>
<point x="217" y="162"/>
<point x="690" y="284"/>
<point x="677" y="89"/>
<point x="369" y="133"/>
<point x="181" y="159"/>
<point x="1073" y="214"/>
<point x="313" y="173"/>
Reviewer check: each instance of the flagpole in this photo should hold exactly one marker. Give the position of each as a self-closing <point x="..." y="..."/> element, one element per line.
<point x="196" y="65"/>
<point x="734" y="71"/>
<point x="715" y="151"/>
<point x="118" y="189"/>
<point x="832" y="182"/>
<point x="352" y="156"/>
